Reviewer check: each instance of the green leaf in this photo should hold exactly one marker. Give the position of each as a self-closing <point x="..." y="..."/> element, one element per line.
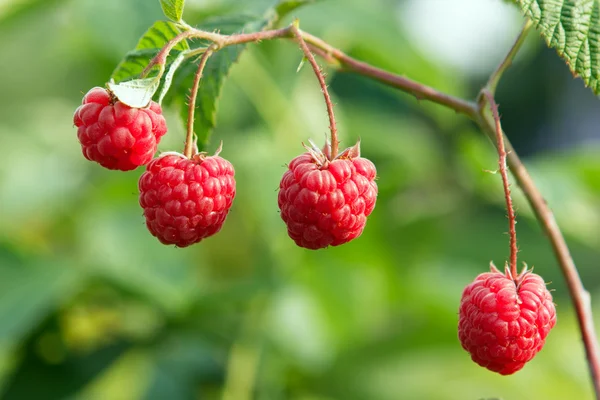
<point x="135" y="93"/>
<point x="173" y="9"/>
<point x="287" y="6"/>
<point x="148" y="46"/>
<point x="572" y="27"/>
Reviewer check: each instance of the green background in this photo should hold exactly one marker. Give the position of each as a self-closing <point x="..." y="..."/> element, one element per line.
<point x="93" y="307"/>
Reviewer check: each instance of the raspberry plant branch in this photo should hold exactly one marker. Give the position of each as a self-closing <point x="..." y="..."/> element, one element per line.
<point x="506" y="185"/>
<point x="508" y="59"/>
<point x="476" y="111"/>
<point x="321" y="78"/>
<point x="419" y="90"/>
<point x="189" y="140"/>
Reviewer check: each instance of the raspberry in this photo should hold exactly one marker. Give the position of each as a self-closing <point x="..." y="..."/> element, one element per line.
<point x="186" y="200"/>
<point x="115" y="135"/>
<point x="326" y="203"/>
<point x="503" y="322"/>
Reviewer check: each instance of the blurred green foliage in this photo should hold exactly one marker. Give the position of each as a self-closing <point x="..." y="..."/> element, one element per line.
<point x="93" y="307"/>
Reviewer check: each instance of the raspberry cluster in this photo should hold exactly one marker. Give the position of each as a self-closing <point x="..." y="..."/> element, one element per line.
<point x="326" y="203"/>
<point x="116" y="135"/>
<point x="324" y="200"/>
<point x="504" y="322"/>
<point x="184" y="199"/>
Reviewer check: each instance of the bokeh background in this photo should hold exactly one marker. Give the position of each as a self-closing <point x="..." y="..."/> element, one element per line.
<point x="93" y="307"/>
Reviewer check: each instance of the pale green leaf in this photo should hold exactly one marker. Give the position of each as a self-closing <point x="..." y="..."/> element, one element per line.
<point x="173" y="9"/>
<point x="572" y="27"/>
<point x="168" y="78"/>
<point x="304" y="59"/>
<point x="135" y="93"/>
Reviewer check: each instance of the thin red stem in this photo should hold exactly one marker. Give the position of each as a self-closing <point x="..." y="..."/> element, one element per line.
<point x="161" y="57"/>
<point x="417" y="89"/>
<point x="218" y="40"/>
<point x="189" y="140"/>
<point x="579" y="295"/>
<point x="256" y="36"/>
<point x="503" y="172"/>
<point x="321" y="78"/>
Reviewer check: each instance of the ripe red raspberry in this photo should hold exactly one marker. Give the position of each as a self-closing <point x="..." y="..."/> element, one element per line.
<point x="503" y="322"/>
<point x="186" y="200"/>
<point x="115" y="135"/>
<point x="326" y="202"/>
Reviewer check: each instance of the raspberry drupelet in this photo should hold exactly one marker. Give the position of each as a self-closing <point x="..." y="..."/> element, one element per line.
<point x="186" y="200"/>
<point x="504" y="322"/>
<point x="326" y="202"/>
<point x="115" y="135"/>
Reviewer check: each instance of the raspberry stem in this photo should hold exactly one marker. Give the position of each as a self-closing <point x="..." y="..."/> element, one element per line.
<point x="161" y="58"/>
<point x="512" y="221"/>
<point x="329" y="53"/>
<point x="319" y="73"/>
<point x="189" y="140"/>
